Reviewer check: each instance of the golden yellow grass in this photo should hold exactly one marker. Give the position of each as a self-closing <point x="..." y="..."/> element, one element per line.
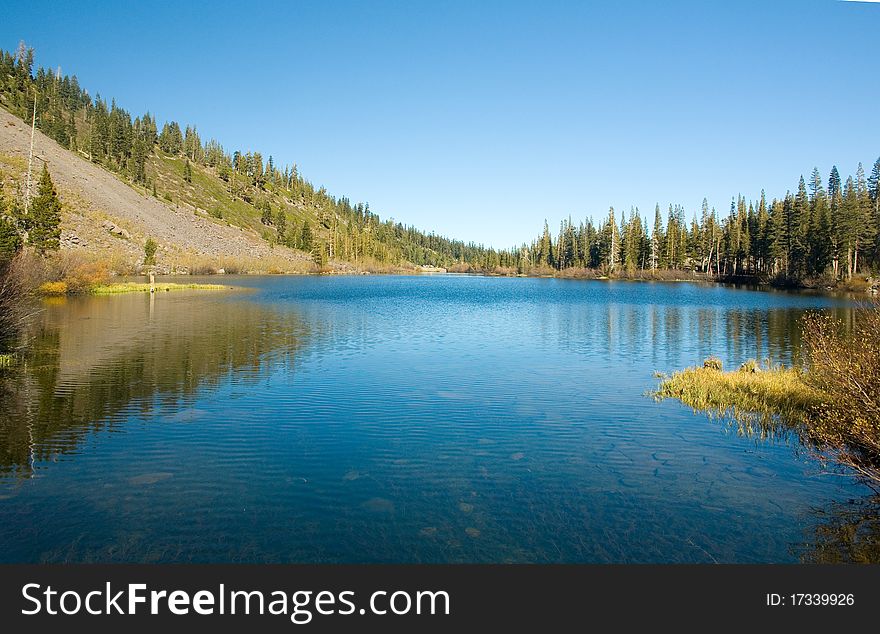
<point x="144" y="287"/>
<point x="748" y="396"/>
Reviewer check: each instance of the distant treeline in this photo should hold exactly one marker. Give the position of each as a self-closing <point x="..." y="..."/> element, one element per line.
<point x="818" y="230"/>
<point x="814" y="232"/>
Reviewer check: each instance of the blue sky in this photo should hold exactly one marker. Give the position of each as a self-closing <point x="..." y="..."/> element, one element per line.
<point x="480" y="119"/>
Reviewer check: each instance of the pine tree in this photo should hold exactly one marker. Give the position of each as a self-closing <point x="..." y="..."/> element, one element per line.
<point x="305" y="241"/>
<point x="778" y="237"/>
<point x="874" y="184"/>
<point x="139" y="152"/>
<point x="281" y="226"/>
<point x="45" y="216"/>
<point x="835" y="202"/>
<point x="150" y="247"/>
<point x="849" y="225"/>
<point x="874" y="192"/>
<point x="798" y="227"/>
<point x="819" y="237"/>
<point x="866" y="228"/>
<point x="319" y="253"/>
<point x="171" y="138"/>
<point x="613" y="239"/>
<point x="545" y="249"/>
<point x="267" y="218"/>
<point x="762" y="246"/>
<point x="656" y="237"/>
<point x="10" y="238"/>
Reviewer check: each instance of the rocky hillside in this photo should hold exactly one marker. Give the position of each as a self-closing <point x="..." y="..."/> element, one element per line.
<point x="104" y="215"/>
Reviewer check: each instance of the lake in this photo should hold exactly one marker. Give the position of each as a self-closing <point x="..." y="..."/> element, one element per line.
<point x="402" y="419"/>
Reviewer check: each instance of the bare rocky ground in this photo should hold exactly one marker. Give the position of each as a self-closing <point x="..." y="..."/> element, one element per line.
<point x="104" y="215"/>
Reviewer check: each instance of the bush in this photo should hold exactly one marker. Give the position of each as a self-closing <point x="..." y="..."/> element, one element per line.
<point x="79" y="272"/>
<point x="53" y="288"/>
<point x="150" y="248"/>
<point x="203" y="267"/>
<point x="751" y="367"/>
<point x="18" y="277"/>
<point x="231" y="267"/>
<point x="713" y="363"/>
<point x="845" y="367"/>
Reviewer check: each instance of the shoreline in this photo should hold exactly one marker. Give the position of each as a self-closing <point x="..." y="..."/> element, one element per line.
<point x="860" y="284"/>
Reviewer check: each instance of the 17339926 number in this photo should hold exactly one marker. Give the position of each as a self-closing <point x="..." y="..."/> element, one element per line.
<point x="822" y="599"/>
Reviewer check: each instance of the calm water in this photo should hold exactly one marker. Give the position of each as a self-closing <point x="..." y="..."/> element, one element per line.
<point x="404" y="419"/>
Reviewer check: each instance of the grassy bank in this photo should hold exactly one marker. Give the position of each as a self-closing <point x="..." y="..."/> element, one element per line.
<point x="60" y="288"/>
<point x="763" y="402"/>
<point x="833" y="402"/>
<point x="144" y="287"/>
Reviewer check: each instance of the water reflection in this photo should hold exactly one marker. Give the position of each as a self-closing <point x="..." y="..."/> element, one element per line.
<point x="92" y="362"/>
<point x="845" y="532"/>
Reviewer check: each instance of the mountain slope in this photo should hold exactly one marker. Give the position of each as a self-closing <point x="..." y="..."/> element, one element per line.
<point x="102" y="213"/>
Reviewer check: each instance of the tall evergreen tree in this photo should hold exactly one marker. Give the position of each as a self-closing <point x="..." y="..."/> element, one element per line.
<point x="819" y="238"/>
<point x="865" y="221"/>
<point x="10" y="238"/>
<point x="305" y="241"/>
<point x="874" y="191"/>
<point x="849" y="226"/>
<point x="281" y="225"/>
<point x="44" y="216"/>
<point x="656" y="238"/>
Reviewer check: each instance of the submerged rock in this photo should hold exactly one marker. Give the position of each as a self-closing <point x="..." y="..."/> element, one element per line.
<point x="379" y="505"/>
<point x="149" y="478"/>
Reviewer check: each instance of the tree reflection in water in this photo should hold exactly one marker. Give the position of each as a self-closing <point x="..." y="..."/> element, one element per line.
<point x="91" y="360"/>
<point x="845" y="532"/>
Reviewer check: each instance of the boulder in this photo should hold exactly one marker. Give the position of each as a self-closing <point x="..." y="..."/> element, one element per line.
<point x="116" y="230"/>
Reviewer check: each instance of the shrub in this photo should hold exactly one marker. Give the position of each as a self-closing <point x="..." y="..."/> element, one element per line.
<point x="79" y="272"/>
<point x="150" y="248"/>
<point x="751" y="367"/>
<point x="15" y="287"/>
<point x="53" y="288"/>
<point x="202" y="267"/>
<point x="845" y="368"/>
<point x="231" y="266"/>
<point x="713" y="363"/>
